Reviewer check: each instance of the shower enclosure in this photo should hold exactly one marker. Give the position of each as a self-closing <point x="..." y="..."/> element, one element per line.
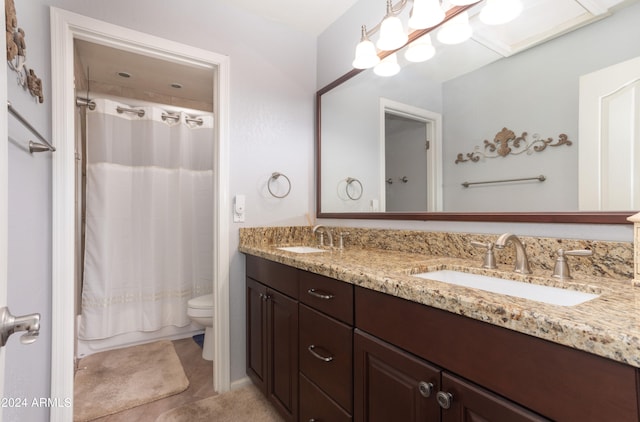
<point x="148" y="234"/>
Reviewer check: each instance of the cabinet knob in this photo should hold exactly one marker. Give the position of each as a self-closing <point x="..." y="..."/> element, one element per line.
<point x="444" y="399"/>
<point x="426" y="388"/>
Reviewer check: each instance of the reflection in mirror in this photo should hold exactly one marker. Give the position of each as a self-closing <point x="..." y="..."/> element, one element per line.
<point x="478" y="93"/>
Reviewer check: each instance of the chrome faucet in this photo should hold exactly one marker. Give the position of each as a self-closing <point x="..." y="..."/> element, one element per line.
<point x="522" y="262"/>
<point x="323" y="229"/>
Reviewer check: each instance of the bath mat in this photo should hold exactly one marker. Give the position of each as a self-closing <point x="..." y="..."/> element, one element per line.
<point x="244" y="404"/>
<point x="116" y="380"/>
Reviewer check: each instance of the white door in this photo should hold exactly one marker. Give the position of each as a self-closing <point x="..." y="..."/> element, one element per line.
<point x="3" y="202"/>
<point x="609" y="138"/>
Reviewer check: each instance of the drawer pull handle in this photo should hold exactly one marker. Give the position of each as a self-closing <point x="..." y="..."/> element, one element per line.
<point x="320" y="294"/>
<point x="317" y="355"/>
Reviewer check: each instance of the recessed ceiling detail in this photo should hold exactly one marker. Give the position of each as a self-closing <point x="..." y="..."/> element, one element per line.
<point x="540" y="21"/>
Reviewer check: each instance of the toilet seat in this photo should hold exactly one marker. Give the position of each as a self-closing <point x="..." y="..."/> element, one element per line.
<point x="200" y="313"/>
<point x="201" y="302"/>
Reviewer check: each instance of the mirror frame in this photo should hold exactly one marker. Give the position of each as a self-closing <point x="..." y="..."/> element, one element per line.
<point x="585" y="217"/>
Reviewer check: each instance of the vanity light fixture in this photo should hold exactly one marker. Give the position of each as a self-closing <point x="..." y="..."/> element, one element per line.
<point x="366" y="53"/>
<point x="426" y="14"/>
<point x="420" y="50"/>
<point x="392" y="33"/>
<point x="388" y="66"/>
<point x="456" y="30"/>
<point x="497" y="12"/>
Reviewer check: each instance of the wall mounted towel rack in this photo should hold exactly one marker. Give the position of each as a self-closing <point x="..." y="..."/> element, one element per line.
<point x="540" y="178"/>
<point x="33" y="146"/>
<point x="350" y="181"/>
<point x="275" y="176"/>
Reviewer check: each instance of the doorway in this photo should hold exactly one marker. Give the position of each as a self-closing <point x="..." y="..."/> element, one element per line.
<point x="67" y="27"/>
<point x="411" y="156"/>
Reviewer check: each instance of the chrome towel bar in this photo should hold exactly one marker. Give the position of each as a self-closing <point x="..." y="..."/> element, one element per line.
<point x="541" y="178"/>
<point x="33" y="146"/>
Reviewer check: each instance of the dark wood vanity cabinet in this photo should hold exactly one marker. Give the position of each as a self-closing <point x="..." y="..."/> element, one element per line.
<point x="300" y="341"/>
<point x="324" y="350"/>
<point x="557" y="382"/>
<point x="391" y="384"/>
<point x="272" y="333"/>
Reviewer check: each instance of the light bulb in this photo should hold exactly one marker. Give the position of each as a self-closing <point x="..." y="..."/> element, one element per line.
<point x="455" y="30"/>
<point x="420" y="50"/>
<point x="426" y="14"/>
<point x="388" y="66"/>
<point x="366" y="53"/>
<point x="392" y="35"/>
<point x="497" y="12"/>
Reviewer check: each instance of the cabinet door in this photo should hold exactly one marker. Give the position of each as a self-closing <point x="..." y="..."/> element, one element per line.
<point x="257" y="334"/>
<point x="282" y="353"/>
<point x="463" y="401"/>
<point x="392" y="385"/>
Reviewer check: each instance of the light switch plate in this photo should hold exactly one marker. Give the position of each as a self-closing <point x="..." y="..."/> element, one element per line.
<point x="239" y="209"/>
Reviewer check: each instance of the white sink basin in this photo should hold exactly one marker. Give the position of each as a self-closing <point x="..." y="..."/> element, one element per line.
<point x="546" y="294"/>
<point x="302" y="249"/>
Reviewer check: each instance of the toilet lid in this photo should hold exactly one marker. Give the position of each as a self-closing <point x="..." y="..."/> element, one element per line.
<point x="201" y="302"/>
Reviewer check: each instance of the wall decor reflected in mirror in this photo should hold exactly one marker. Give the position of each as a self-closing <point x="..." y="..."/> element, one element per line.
<point x="544" y="70"/>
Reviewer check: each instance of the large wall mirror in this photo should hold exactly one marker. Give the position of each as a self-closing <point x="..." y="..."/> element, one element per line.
<point x="425" y="144"/>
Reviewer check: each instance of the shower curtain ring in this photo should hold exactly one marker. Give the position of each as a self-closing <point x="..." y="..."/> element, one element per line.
<point x="275" y="176"/>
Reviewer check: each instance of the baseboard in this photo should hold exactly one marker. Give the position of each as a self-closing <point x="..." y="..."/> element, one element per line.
<point x="242" y="382"/>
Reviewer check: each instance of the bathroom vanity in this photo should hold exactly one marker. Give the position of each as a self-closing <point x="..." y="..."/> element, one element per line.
<point x="354" y="335"/>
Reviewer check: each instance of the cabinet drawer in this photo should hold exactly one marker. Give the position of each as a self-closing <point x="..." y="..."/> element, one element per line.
<point x="278" y="276"/>
<point x="326" y="348"/>
<point x="316" y="405"/>
<point x="333" y="297"/>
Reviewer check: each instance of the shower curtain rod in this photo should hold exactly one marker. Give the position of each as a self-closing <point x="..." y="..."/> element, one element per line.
<point x="197" y="120"/>
<point x="85" y="102"/>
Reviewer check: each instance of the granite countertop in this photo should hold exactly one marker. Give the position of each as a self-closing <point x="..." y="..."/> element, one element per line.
<point x="608" y="325"/>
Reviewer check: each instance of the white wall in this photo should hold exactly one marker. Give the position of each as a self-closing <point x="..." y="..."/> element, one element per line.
<point x="271" y="129"/>
<point x="336" y="46"/>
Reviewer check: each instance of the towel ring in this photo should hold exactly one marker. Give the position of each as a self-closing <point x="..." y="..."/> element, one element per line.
<point x="353" y="180"/>
<point x="275" y="176"/>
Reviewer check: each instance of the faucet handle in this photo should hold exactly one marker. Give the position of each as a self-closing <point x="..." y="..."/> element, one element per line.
<point x="341" y="236"/>
<point x="489" y="260"/>
<point x="561" y="268"/>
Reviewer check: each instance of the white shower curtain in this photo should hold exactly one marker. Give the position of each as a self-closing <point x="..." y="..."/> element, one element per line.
<point x="149" y="219"/>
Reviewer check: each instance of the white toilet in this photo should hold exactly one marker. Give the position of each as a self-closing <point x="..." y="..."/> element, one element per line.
<point x="200" y="310"/>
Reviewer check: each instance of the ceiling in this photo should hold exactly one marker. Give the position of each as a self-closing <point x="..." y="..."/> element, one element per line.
<point x="309" y="16"/>
<point x="535" y="25"/>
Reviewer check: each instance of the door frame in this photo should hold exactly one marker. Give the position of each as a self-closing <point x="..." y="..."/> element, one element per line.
<point x="4" y="206"/>
<point x="434" y="153"/>
<point x="65" y="27"/>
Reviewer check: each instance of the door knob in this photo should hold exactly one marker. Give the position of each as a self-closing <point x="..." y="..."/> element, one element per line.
<point x="9" y="324"/>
